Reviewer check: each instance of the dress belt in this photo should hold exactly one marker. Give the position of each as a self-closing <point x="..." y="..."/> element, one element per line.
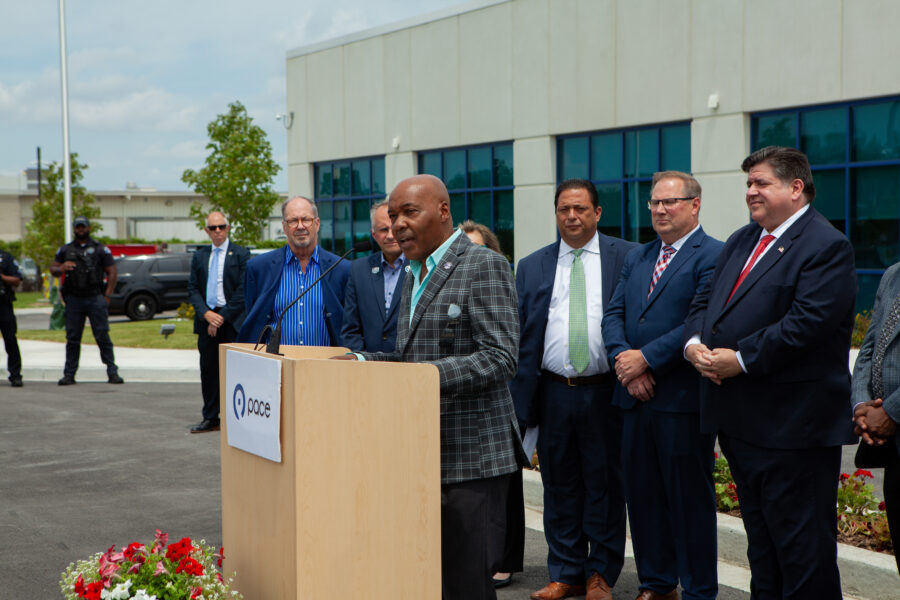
<point x="599" y="379"/>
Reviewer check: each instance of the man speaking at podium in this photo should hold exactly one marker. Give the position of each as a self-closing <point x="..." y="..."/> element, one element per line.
<point x="458" y="312"/>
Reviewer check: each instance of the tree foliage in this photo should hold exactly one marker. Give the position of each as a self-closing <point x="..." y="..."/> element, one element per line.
<point x="237" y="178"/>
<point x="45" y="232"/>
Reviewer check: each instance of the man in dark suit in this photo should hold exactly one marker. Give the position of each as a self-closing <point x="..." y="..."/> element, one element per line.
<point x="215" y="289"/>
<point x="274" y="279"/>
<point x="772" y="338"/>
<point x="458" y="312"/>
<point x="564" y="385"/>
<point x="373" y="290"/>
<point x="668" y="462"/>
<point x="876" y="390"/>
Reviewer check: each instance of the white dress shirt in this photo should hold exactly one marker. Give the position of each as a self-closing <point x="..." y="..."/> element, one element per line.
<point x="556" y="336"/>
<point x="220" y="290"/>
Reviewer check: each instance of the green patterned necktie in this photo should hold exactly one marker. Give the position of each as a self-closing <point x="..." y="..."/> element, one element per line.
<point x="579" y="354"/>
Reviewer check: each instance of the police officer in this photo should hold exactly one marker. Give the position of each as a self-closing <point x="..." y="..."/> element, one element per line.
<point x="10" y="277"/>
<point x="84" y="261"/>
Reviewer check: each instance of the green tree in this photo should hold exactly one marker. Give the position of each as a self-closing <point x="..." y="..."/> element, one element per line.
<point x="237" y="178"/>
<point x="45" y="232"/>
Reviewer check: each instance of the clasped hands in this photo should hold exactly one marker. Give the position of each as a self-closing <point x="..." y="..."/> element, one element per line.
<point x="716" y="365"/>
<point x="873" y="423"/>
<point x="633" y="373"/>
<point x="214" y="320"/>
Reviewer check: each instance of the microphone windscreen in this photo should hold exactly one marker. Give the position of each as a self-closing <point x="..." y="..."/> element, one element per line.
<point x="362" y="246"/>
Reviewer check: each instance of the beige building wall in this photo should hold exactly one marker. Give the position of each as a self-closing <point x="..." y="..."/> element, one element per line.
<point x="530" y="70"/>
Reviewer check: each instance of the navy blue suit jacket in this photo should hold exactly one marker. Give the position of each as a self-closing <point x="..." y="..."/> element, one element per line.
<point x="655" y="325"/>
<point x="534" y="285"/>
<point x="367" y="326"/>
<point x="232" y="285"/>
<point x="263" y="278"/>
<point x="791" y="320"/>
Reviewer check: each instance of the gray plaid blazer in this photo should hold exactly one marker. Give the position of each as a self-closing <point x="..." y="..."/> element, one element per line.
<point x="862" y="370"/>
<point x="475" y="354"/>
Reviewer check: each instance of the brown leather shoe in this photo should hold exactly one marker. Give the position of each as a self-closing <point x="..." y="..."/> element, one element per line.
<point x="597" y="588"/>
<point x="556" y="590"/>
<point x="651" y="595"/>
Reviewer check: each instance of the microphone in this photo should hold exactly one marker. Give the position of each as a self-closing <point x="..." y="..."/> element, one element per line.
<point x="274" y="344"/>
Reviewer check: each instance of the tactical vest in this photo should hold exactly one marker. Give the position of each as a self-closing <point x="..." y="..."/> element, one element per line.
<point x="86" y="279"/>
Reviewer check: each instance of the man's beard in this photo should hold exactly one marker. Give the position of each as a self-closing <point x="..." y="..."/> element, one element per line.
<point x="82" y="236"/>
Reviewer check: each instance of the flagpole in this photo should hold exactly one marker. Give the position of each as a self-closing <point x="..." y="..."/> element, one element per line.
<point x="67" y="168"/>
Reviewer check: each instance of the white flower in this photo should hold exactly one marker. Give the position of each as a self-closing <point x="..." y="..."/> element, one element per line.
<point x="142" y="595"/>
<point x="120" y="592"/>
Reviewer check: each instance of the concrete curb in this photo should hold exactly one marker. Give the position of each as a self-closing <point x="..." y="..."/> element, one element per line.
<point x="864" y="573"/>
<point x="89" y="374"/>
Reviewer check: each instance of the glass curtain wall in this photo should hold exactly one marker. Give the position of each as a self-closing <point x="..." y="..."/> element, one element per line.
<point x="345" y="191"/>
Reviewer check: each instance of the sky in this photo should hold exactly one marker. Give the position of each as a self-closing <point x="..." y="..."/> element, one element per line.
<point x="145" y="78"/>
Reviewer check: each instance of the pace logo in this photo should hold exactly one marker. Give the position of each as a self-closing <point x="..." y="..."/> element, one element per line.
<point x="239" y="401"/>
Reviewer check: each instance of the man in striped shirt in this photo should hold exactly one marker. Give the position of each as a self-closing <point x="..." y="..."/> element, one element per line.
<point x="274" y="279"/>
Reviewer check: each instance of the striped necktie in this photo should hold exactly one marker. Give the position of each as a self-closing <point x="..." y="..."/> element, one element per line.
<point x="661" y="263"/>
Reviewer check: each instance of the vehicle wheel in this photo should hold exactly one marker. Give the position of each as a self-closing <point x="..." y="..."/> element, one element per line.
<point x="141" y="307"/>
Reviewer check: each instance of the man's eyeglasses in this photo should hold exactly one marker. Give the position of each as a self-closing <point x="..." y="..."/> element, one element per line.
<point x="654" y="203"/>
<point x="217" y="227"/>
<point x="306" y="221"/>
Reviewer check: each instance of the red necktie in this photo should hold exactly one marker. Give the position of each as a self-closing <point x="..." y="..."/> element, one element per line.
<point x="762" y="245"/>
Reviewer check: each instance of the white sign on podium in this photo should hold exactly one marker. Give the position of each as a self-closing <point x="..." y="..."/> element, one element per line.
<point x="252" y="403"/>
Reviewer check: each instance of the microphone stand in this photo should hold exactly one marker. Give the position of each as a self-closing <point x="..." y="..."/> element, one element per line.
<point x="274" y="344"/>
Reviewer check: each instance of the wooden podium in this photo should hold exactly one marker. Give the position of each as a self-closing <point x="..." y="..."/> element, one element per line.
<point x="353" y="509"/>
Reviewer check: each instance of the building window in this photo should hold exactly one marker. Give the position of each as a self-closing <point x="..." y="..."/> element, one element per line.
<point x="621" y="163"/>
<point x="854" y="153"/>
<point x="345" y="191"/>
<point x="480" y="182"/>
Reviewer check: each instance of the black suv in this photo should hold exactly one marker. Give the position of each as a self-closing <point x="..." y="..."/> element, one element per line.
<point x="149" y="284"/>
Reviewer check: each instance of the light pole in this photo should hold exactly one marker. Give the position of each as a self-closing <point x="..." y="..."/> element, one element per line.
<point x="67" y="166"/>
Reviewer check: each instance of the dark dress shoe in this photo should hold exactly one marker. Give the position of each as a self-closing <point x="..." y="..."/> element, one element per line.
<point x="556" y="590"/>
<point x="15" y="381"/>
<point x="502" y="582"/>
<point x="66" y="380"/>
<point x="116" y="379"/>
<point x="651" y="595"/>
<point x="206" y="425"/>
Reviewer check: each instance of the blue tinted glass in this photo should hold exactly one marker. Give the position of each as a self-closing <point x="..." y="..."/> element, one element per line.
<point x="377" y="175"/>
<point x="874" y="216"/>
<point x="480" y="209"/>
<point x="323" y="177"/>
<point x="343" y="239"/>
<point x="776" y="130"/>
<point x="503" y="222"/>
<point x="676" y="148"/>
<point x="638" y="226"/>
<point x="480" y="167"/>
<point x="876" y="131"/>
<point x="823" y="135"/>
<point x="610" y="198"/>
<point x="606" y="156"/>
<point x="430" y="163"/>
<point x="830" y="196"/>
<point x="341" y="180"/>
<point x="458" y="208"/>
<point x="361" y="179"/>
<point x="325" y="224"/>
<point x="455" y="169"/>
<point x="641" y="152"/>
<point x="503" y="164"/>
<point x="573" y="158"/>
<point x="868" y="285"/>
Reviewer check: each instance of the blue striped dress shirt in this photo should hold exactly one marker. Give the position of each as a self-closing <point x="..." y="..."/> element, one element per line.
<point x="304" y="325"/>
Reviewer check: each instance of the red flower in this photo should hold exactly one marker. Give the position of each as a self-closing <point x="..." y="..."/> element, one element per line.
<point x="182" y="547"/>
<point x="219" y="577"/>
<point x="844" y="477"/>
<point x="133" y="550"/>
<point x="715" y="455"/>
<point x="195" y="593"/>
<point x="863" y="473"/>
<point x="89" y="592"/>
<point x="220" y="556"/>
<point x="881" y="505"/>
<point x="79" y="586"/>
<point x="190" y="566"/>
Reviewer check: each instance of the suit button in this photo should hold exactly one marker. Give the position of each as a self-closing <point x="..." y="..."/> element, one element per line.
<point x="641" y="320"/>
<point x="384" y="337"/>
<point x="715" y="330"/>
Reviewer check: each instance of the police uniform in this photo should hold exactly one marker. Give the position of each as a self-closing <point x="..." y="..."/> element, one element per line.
<point x="9" y="267"/>
<point x="82" y="291"/>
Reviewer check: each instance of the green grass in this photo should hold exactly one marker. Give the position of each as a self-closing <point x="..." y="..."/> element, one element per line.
<point x="30" y="300"/>
<point x="132" y="334"/>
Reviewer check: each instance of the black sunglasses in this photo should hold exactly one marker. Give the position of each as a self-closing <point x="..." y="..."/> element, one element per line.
<point x="215" y="227"/>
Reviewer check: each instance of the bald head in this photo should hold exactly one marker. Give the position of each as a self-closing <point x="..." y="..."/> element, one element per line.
<point x="419" y="209"/>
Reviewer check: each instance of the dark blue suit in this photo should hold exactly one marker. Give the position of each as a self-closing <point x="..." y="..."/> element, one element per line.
<point x="781" y="424"/>
<point x="667" y="460"/>
<point x="261" y="282"/>
<point x="367" y="326"/>
<point x="579" y="445"/>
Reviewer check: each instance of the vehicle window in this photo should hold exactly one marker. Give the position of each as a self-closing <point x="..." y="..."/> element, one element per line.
<point x="169" y="265"/>
<point x="127" y="266"/>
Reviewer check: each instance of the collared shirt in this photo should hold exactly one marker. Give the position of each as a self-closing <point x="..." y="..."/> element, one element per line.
<point x="391" y="275"/>
<point x="430" y="263"/>
<point x="304" y="325"/>
<point x="223" y="252"/>
<point x="556" y="335"/>
<point x="677" y="244"/>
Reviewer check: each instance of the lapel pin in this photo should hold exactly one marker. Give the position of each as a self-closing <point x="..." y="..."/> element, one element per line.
<point x="447" y="266"/>
<point x="454" y="311"/>
<point x="781" y="248"/>
<point x="375" y="270"/>
<point x="407" y="269"/>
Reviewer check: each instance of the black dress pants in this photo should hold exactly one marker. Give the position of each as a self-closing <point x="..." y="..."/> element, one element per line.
<point x="79" y="308"/>
<point x="209" y="366"/>
<point x="8" y="328"/>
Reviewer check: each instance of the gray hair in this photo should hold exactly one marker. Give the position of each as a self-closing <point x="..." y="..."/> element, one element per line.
<point x="311" y="203"/>
<point x="372" y="210"/>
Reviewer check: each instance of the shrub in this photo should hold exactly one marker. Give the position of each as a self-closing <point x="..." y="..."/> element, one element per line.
<point x="185" y="311"/>
<point x="860" y="326"/>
